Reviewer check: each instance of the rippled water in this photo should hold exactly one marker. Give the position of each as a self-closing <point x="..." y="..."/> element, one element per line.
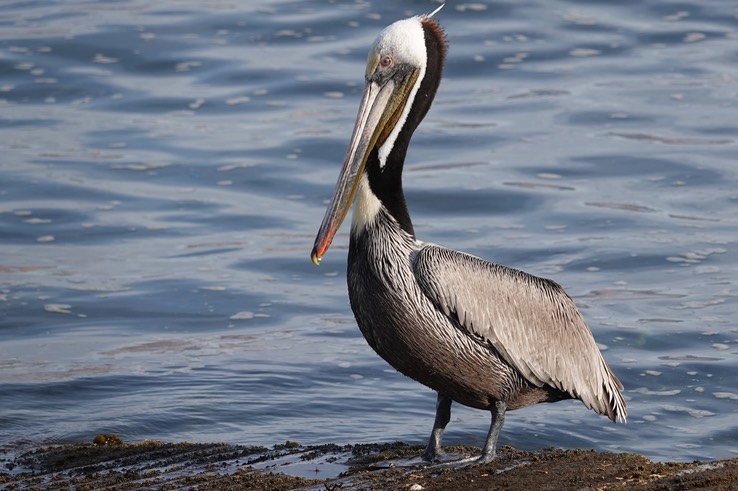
<point x="165" y="166"/>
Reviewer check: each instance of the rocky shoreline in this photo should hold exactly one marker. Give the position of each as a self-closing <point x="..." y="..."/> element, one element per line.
<point x="108" y="463"/>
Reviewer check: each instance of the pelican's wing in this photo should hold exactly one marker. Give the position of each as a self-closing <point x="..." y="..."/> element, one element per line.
<point x="531" y="322"/>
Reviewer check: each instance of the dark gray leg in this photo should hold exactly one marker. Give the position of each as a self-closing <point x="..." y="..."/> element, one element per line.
<point x="433" y="451"/>
<point x="498" y="419"/>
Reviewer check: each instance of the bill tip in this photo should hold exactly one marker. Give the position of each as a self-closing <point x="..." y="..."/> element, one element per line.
<point x="315" y="258"/>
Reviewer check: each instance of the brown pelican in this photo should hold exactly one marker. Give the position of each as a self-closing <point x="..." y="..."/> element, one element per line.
<point x="478" y="333"/>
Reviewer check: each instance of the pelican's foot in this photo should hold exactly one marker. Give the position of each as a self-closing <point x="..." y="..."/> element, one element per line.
<point x="454" y="463"/>
<point x="442" y="460"/>
<point x="433" y="456"/>
<point x="439" y="459"/>
<point x="485" y="458"/>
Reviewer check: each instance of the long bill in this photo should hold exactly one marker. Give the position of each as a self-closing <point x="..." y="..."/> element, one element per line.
<point x="381" y="106"/>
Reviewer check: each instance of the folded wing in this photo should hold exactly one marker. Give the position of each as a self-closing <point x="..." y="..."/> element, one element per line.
<point x="531" y="322"/>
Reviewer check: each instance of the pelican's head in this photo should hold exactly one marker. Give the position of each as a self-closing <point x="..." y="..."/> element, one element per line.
<point x="402" y="75"/>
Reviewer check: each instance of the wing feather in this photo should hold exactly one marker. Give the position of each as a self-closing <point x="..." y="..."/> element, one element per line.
<point x="530" y="321"/>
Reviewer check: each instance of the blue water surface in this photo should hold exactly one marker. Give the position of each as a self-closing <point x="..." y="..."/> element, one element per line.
<point x="165" y="166"/>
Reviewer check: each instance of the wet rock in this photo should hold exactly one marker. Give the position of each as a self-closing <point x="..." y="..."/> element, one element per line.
<point x="156" y="465"/>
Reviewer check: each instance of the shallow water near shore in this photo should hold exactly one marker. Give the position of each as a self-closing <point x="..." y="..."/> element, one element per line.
<point x="165" y="167"/>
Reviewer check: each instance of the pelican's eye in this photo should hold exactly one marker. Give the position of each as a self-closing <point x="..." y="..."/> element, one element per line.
<point x="386" y="61"/>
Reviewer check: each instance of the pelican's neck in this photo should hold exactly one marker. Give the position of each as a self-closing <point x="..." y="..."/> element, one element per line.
<point x="380" y="246"/>
<point x="368" y="207"/>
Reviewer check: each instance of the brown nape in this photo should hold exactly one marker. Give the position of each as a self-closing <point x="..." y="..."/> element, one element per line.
<point x="432" y="27"/>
